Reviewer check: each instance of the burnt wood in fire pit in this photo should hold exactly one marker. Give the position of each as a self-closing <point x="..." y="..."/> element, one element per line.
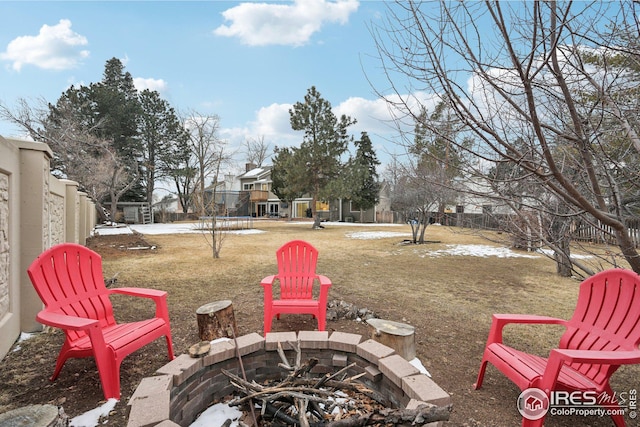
<point x="333" y="400"/>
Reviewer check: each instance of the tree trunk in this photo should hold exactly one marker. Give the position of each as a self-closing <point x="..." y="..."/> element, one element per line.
<point x="564" y="266"/>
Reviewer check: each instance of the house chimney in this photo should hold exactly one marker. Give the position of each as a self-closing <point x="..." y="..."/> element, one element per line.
<point x="249" y="166"/>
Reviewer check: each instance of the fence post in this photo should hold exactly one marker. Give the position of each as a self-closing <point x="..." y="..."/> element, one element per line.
<point x="72" y="211"/>
<point x="10" y="274"/>
<point x="35" y="233"/>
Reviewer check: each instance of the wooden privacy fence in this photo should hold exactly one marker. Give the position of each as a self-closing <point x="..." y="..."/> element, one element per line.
<point x="580" y="230"/>
<point x="601" y="233"/>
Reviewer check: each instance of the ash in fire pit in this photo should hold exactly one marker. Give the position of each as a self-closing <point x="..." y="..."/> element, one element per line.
<point x="316" y="372"/>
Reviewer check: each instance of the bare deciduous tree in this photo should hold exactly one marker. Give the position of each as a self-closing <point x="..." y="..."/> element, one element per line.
<point x="539" y="86"/>
<point x="257" y="150"/>
<point x="79" y="155"/>
<point x="208" y="156"/>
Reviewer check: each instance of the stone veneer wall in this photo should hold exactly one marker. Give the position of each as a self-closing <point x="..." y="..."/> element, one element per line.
<point x="4" y="245"/>
<point x="185" y="387"/>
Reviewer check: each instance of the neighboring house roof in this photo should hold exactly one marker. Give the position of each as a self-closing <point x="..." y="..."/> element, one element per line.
<point x="261" y="173"/>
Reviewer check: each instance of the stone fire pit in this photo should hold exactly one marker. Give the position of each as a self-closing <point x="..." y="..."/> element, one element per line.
<point x="185" y="387"/>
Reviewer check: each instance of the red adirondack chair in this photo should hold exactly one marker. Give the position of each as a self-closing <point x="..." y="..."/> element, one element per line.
<point x="297" y="261"/>
<point x="602" y="335"/>
<point x="68" y="278"/>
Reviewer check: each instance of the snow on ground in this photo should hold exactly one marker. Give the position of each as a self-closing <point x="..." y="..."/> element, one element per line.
<point x="216" y="415"/>
<point x="91" y="418"/>
<point x="368" y="235"/>
<point x="23" y="337"/>
<point x="171" y="228"/>
<point x="479" y="251"/>
<point x="194" y="227"/>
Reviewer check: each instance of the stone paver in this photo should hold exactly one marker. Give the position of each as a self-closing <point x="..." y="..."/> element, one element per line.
<point x="314" y="339"/>
<point x="344" y="341"/>
<point x="182" y="367"/>
<point x="396" y="367"/>
<point x="272" y="339"/>
<point x="373" y="351"/>
<point x="150" y="410"/>
<point x="421" y="387"/>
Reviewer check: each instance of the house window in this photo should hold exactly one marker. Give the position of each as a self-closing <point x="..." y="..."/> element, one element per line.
<point x="300" y="209"/>
<point x="247" y="186"/>
<point x="354" y="207"/>
<point x="459" y="209"/>
<point x="322" y="206"/>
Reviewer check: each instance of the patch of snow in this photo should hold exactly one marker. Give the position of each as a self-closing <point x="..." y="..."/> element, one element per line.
<point x="479" y="251"/>
<point x="549" y="252"/>
<point x="23" y="337"/>
<point x="155" y="229"/>
<point x="103" y="230"/>
<point x="369" y="235"/>
<point x="92" y="418"/>
<point x="216" y="415"/>
<point x="418" y="364"/>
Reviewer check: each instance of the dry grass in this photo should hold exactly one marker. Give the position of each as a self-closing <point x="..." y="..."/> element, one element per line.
<point x="449" y="299"/>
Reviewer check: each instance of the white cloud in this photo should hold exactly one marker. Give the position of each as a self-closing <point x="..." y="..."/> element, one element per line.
<point x="374" y="116"/>
<point x="55" y="47"/>
<point x="141" y="84"/>
<point x="261" y="24"/>
<point x="273" y="120"/>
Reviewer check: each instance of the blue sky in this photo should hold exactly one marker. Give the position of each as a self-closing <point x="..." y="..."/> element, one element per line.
<point x="247" y="62"/>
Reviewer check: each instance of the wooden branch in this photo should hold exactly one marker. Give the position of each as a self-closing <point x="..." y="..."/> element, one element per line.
<point x="301" y="405"/>
<point x="285" y="362"/>
<point x="328" y="377"/>
<point x="300" y="401"/>
<point x="276" y="393"/>
<point x="241" y="384"/>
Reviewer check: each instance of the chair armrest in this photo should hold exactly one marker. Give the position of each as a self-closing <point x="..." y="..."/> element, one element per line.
<point x="268" y="281"/>
<point x="139" y="292"/>
<point x="63" y="321"/>
<point x="620" y="357"/>
<point x="499" y="321"/>
<point x="325" y="282"/>
<point x="558" y="357"/>
<point x="159" y="297"/>
<point x="267" y="285"/>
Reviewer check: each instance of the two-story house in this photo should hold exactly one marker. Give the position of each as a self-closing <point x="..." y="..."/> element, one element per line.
<point x="256" y="181"/>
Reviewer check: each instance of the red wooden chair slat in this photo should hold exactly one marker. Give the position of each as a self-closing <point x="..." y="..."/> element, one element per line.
<point x="297" y="277"/>
<point x="69" y="280"/>
<point x="602" y="335"/>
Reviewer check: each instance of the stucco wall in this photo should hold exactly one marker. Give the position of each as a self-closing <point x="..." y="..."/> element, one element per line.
<point x="37" y="211"/>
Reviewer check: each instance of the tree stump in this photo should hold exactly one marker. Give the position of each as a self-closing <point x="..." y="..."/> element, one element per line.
<point x="398" y="336"/>
<point x="216" y="320"/>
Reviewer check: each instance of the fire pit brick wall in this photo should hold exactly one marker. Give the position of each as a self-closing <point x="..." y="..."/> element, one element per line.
<point x="185" y="387"/>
